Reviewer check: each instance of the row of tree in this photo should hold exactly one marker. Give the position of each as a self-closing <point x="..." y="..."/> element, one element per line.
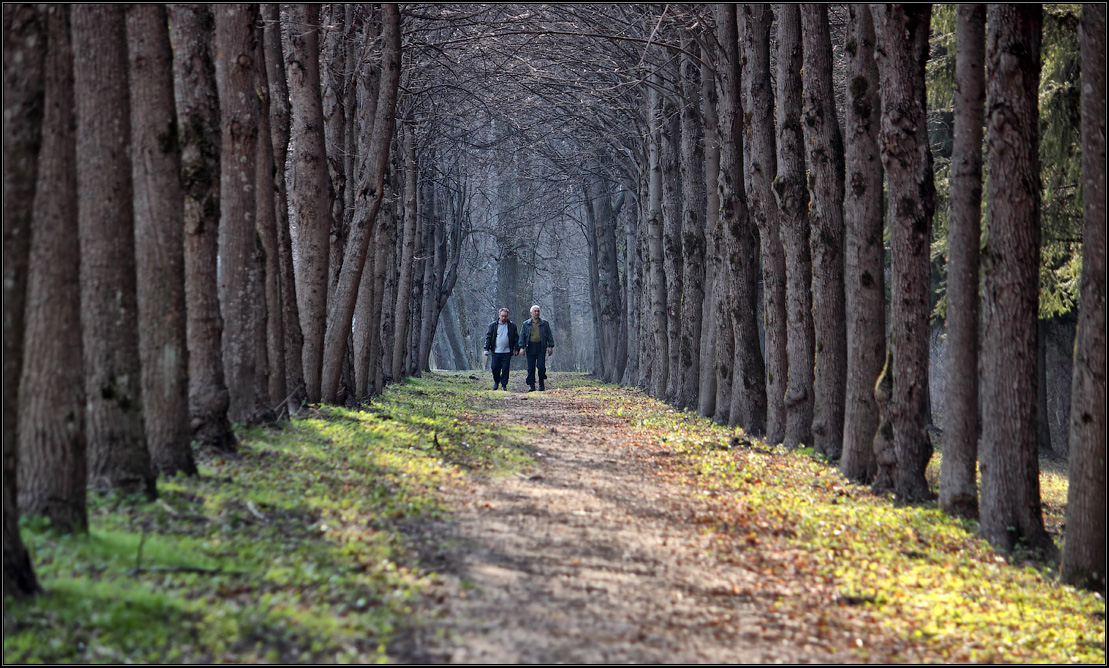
<point x="739" y="190"/>
<point x="212" y="216"/>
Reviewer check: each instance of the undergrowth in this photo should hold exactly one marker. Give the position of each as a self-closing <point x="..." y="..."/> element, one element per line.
<point x="294" y="550"/>
<point x="908" y="577"/>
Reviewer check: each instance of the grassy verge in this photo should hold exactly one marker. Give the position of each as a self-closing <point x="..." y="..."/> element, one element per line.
<point x="293" y="551"/>
<point x="849" y="565"/>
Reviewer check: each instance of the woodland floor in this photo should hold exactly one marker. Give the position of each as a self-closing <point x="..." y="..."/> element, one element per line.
<point x="445" y="523"/>
<point x="593" y="558"/>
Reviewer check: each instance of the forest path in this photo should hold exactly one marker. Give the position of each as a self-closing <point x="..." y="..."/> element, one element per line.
<point x="593" y="558"/>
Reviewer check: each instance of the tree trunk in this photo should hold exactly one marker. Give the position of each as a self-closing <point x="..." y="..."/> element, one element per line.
<point x="308" y="193"/>
<point x="1084" y="557"/>
<point x="672" y="261"/>
<point x="334" y="79"/>
<point x="748" y="392"/>
<point x="25" y="42"/>
<point x="276" y="375"/>
<point x="118" y="456"/>
<point x="1010" y="511"/>
<point x="707" y="405"/>
<point x="864" y="274"/>
<point x="53" y="472"/>
<point x="660" y="358"/>
<point x="793" y="203"/>
<point x="958" y="473"/>
<point x="824" y="151"/>
<point x="762" y="165"/>
<point x="693" y="225"/>
<point x="907" y="159"/>
<point x="279" y="137"/>
<point x="367" y="203"/>
<point x="384" y="283"/>
<point x="240" y="284"/>
<point x="159" y="241"/>
<point x="408" y="253"/>
<point x="198" y="135"/>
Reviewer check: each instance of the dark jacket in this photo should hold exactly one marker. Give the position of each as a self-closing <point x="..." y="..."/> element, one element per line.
<point x="544" y="333"/>
<point x="491" y="336"/>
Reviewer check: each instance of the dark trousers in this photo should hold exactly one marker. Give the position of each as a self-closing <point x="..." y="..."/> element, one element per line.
<point x="500" y="364"/>
<point x="537" y="357"/>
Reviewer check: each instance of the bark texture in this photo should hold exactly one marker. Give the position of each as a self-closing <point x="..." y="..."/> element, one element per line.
<point x="1010" y="510"/>
<point x="693" y="225"/>
<point x="197" y="101"/>
<point x="24" y="42"/>
<point x="707" y="400"/>
<point x="824" y="151"/>
<point x="958" y="493"/>
<point x="242" y="297"/>
<point x="53" y="472"/>
<point x="793" y="204"/>
<point x="308" y="188"/>
<point x="118" y="456"/>
<point x="159" y="241"/>
<point x="1084" y="557"/>
<point x="864" y="262"/>
<point x="761" y="166"/>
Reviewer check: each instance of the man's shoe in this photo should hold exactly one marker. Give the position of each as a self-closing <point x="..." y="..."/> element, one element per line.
<point x="542" y="387"/>
<point x="531" y="388"/>
<point x="496" y="385"/>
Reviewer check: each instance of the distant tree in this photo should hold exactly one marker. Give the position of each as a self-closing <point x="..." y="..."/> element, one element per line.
<point x="159" y="241"/>
<point x="197" y="100"/>
<point x="24" y="42"/>
<point x="707" y="405"/>
<point x="958" y="474"/>
<point x="793" y="199"/>
<point x="1084" y="553"/>
<point x="403" y="304"/>
<point x="53" y="471"/>
<point x="864" y="261"/>
<point x="660" y="362"/>
<point x="1010" y="510"/>
<point x="118" y="456"/>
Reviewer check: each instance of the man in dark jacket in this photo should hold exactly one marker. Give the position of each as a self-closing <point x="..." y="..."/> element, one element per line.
<point x="499" y="341"/>
<point x="537" y="341"/>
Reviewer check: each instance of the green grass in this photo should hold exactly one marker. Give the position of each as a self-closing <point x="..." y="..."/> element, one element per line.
<point x="911" y="573"/>
<point x="293" y="551"/>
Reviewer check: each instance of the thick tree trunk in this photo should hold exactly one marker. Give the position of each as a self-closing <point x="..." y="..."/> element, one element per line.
<point x="118" y="456"/>
<point x="1084" y="557"/>
<point x="279" y="137"/>
<point x="334" y="79"/>
<point x="824" y="151"/>
<point x="761" y="164"/>
<point x="793" y="200"/>
<point x="242" y="296"/>
<point x="159" y="241"/>
<point x="864" y="273"/>
<point x="198" y="134"/>
<point x="1010" y="511"/>
<point x="384" y="284"/>
<point x="748" y="391"/>
<point x="958" y="472"/>
<point x="907" y="159"/>
<point x="693" y="225"/>
<point x="607" y="287"/>
<point x="308" y="192"/>
<point x="367" y="203"/>
<point x="53" y="473"/>
<point x="25" y="42"/>
<point x="707" y="405"/>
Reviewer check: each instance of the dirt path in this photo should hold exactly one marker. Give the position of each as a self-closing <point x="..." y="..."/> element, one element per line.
<point x="591" y="558"/>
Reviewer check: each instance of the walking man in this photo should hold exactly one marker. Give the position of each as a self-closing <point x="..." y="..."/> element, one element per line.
<point x="499" y="341"/>
<point x="537" y="341"/>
